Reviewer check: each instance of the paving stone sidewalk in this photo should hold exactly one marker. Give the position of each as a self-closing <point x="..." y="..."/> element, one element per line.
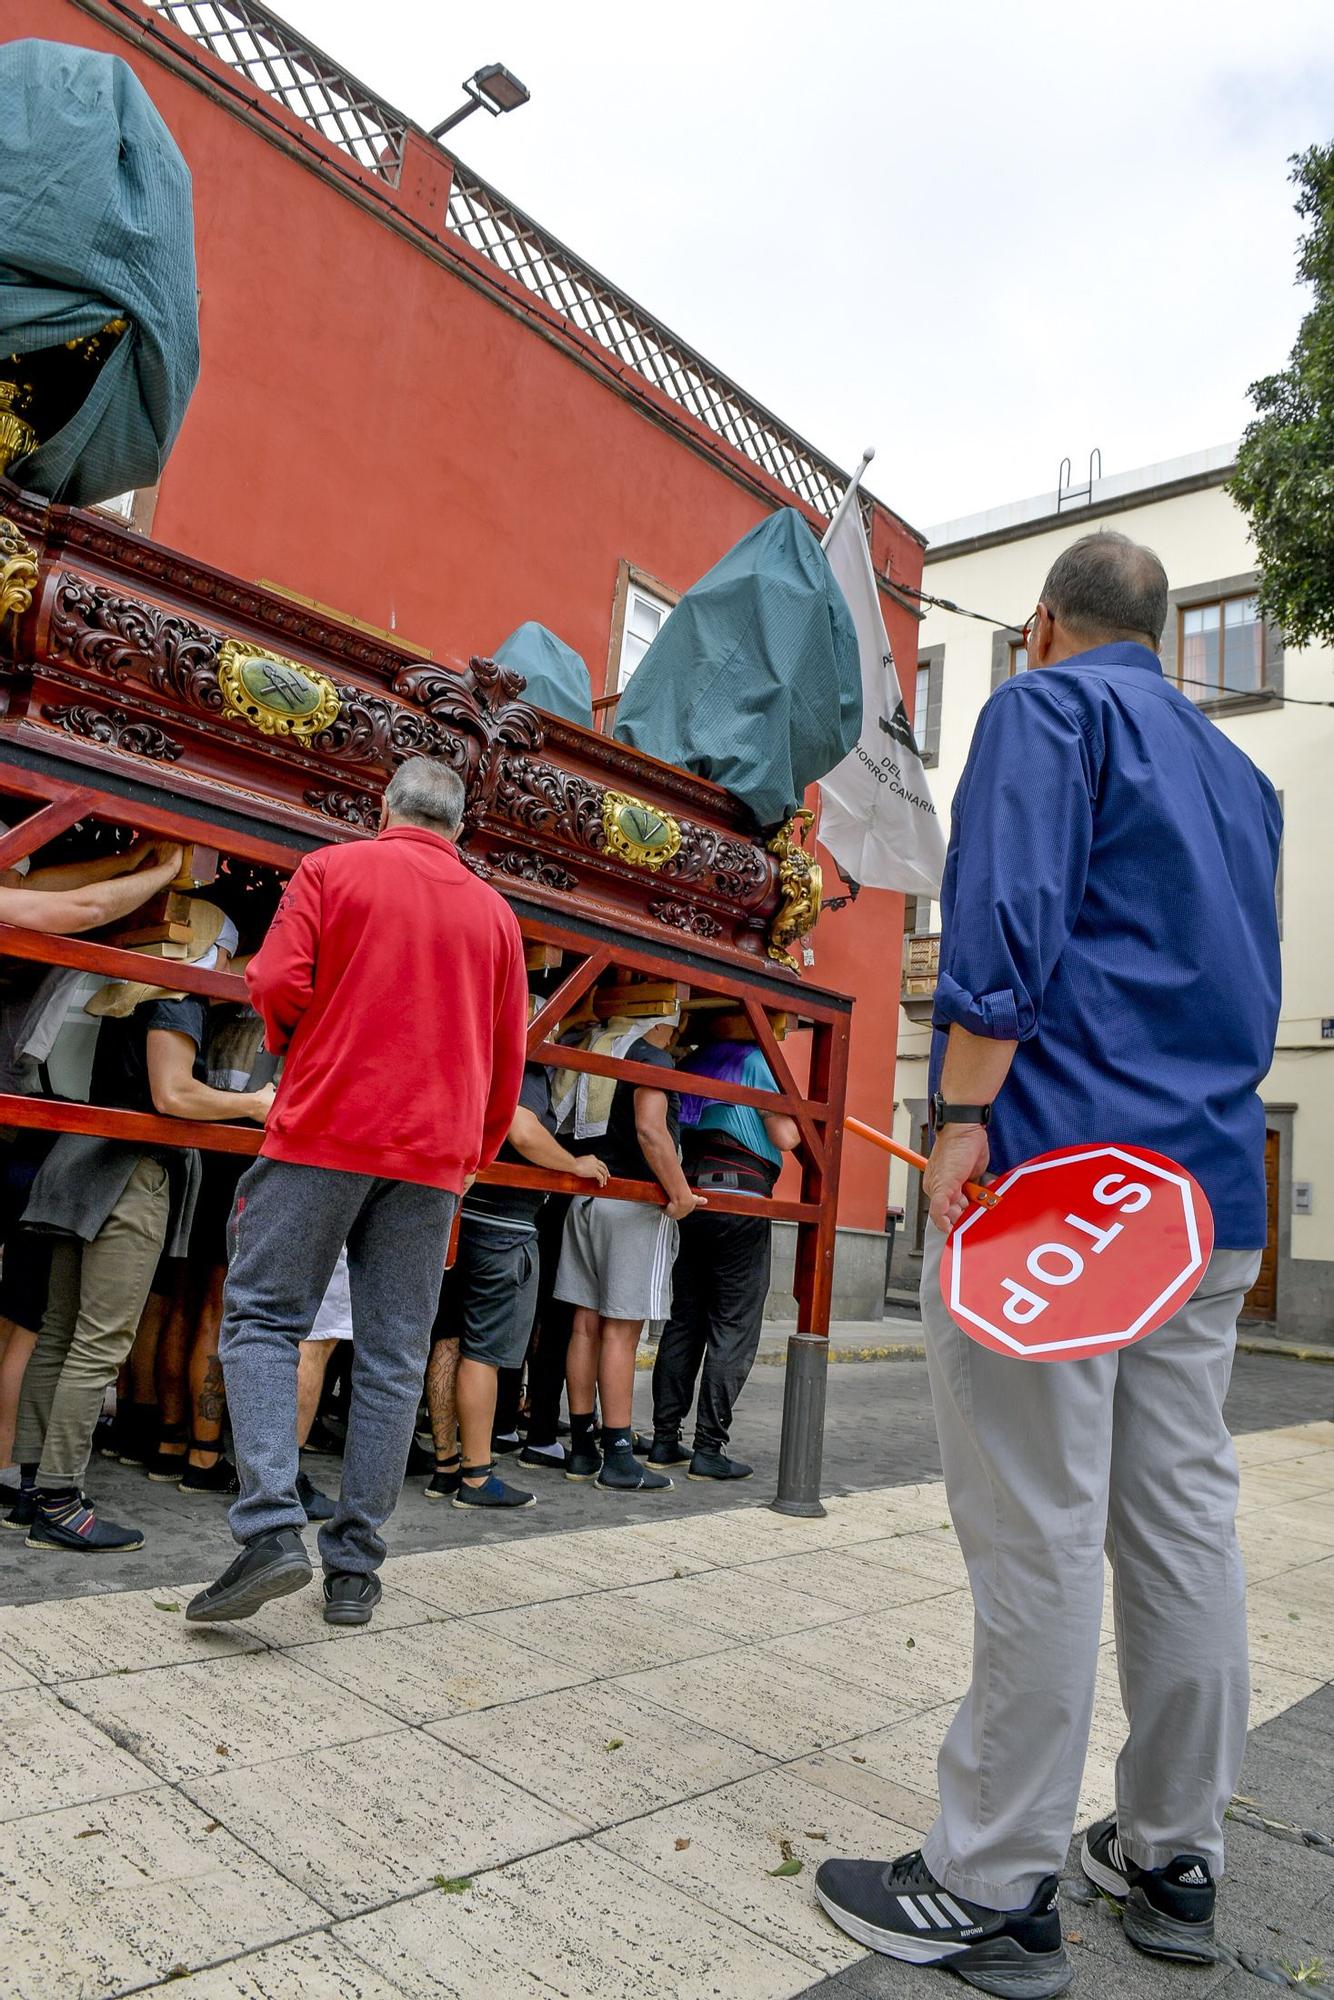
<point x="572" y="1766"/>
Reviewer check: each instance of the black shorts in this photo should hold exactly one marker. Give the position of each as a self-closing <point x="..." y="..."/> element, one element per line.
<point x="489" y="1295"/>
<point x="27" y="1254"/>
<point x="27" y="1272"/>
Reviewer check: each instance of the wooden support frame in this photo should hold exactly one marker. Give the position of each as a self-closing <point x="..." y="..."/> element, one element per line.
<point x="594" y="947"/>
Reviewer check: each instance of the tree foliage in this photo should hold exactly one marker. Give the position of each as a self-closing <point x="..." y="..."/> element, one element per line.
<point x="1284" y="480"/>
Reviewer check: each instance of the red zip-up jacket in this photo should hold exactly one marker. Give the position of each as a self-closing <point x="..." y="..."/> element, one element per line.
<point x="393" y="982"/>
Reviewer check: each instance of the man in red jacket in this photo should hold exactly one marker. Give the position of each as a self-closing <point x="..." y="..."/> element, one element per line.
<point x="392" y="981"/>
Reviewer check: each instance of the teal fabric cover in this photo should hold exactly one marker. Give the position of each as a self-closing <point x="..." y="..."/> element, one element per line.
<point x="96" y="221"/>
<point x="556" y="675"/>
<point x="755" y="679"/>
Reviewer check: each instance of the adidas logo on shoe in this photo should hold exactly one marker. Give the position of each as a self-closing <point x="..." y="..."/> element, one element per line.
<point x="1195" y="1876"/>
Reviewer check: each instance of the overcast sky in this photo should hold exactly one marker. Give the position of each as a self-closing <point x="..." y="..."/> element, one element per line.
<point x="980" y="236"/>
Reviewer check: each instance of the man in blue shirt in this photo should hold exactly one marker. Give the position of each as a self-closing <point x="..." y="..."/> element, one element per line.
<point x="721" y="1277"/>
<point x="1109" y="971"/>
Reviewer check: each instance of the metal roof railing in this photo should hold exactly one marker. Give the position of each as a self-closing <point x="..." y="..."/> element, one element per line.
<point x="521" y="248"/>
<point x="309" y="85"/>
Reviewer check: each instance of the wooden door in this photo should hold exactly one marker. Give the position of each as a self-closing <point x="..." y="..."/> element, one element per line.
<point x="1262" y="1299"/>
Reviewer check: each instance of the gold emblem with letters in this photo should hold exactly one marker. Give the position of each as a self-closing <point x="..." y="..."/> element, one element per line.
<point x="274" y="695"/>
<point x="637" y="832"/>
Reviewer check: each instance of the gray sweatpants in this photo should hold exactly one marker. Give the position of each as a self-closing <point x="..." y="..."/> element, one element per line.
<point x="1044" y="1463"/>
<point x="286" y="1230"/>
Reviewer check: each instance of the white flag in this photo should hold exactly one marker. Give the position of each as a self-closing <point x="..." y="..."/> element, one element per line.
<point x="877" y="816"/>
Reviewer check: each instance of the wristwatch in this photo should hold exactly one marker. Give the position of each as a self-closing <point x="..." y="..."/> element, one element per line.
<point x="958" y="1114"/>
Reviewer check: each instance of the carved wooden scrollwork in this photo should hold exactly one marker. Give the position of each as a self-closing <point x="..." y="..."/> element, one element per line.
<point x="118" y="729"/>
<point x="532" y="868"/>
<point x="351" y="808"/>
<point x="120" y="638"/>
<point x="685" y="917"/>
<point x="481" y="707"/>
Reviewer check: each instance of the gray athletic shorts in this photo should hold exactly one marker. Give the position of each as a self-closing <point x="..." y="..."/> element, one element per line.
<point x="617" y="1258"/>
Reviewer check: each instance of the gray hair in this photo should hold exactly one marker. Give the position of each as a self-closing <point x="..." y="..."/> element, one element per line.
<point x="424" y="791"/>
<point x="1106" y="587"/>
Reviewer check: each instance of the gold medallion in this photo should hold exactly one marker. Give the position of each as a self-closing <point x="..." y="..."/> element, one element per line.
<point x="275" y="695"/>
<point x="637" y="832"/>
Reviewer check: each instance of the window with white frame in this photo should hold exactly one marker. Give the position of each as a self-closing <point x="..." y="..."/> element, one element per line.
<point x="645" y="616"/>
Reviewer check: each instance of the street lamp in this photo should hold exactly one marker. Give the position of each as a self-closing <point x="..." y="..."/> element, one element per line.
<point x="493" y="87"/>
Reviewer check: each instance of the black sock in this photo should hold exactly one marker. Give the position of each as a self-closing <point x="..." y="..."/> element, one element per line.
<point x="617" y="1436"/>
<point x="581" y="1429"/>
<point x="28" y="1476"/>
<point x="51" y="1496"/>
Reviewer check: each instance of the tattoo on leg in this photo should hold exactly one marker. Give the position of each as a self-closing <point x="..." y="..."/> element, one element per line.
<point x="212" y="1396"/>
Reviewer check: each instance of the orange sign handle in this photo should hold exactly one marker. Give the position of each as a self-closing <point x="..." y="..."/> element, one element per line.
<point x="973" y="1189"/>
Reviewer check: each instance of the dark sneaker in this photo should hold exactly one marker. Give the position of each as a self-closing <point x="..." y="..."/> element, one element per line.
<point x="668" y="1450"/>
<point x="622" y="1473"/>
<point x="505" y="1441"/>
<point x="641" y="1445"/>
<point x="350" y="1597"/>
<point x="23" y="1513"/>
<point x="901" y="1910"/>
<point x="1166" y="1911"/>
<point x="445" y="1480"/>
<point x="493" y="1492"/>
<point x="583" y="1461"/>
<point x="543" y="1457"/>
<point x="165" y="1468"/>
<point x="220" y="1477"/>
<point x="318" y="1506"/>
<point x="717" y="1465"/>
<point x="72" y="1523"/>
<point x="270" y="1566"/>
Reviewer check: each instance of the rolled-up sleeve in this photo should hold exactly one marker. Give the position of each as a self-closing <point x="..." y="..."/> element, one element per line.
<point x="1018" y="862"/>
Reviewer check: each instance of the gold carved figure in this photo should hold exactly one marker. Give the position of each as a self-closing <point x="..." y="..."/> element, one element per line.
<point x="18" y="572"/>
<point x="801" y="884"/>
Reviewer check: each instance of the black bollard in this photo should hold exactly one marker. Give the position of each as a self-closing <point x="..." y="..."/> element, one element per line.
<point x="801" y="1447"/>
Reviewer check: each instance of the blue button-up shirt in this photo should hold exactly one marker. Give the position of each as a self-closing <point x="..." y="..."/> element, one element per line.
<point x="1108" y="903"/>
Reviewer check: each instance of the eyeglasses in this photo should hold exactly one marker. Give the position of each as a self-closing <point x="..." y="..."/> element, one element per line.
<point x="1026" y="629"/>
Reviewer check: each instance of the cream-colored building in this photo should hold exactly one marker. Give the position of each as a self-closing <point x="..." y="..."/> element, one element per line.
<point x="1255" y="689"/>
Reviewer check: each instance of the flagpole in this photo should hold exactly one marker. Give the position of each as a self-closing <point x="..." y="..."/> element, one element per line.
<point x="848" y="496"/>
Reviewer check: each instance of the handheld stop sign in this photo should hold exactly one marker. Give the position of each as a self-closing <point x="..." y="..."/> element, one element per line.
<point x="1087" y="1250"/>
<point x="1074" y="1253"/>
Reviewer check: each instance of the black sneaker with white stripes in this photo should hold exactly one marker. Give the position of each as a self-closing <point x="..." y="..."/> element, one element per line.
<point x="1166" y="1911"/>
<point x="901" y="1910"/>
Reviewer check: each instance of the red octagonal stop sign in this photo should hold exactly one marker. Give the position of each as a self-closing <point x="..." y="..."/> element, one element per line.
<point x="1088" y="1250"/>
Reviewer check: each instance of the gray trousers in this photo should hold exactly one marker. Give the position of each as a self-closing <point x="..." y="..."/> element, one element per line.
<point x="1045" y="1462"/>
<point x="286" y="1230"/>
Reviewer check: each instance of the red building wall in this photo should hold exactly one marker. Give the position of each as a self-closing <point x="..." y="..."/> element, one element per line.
<point x="385" y="424"/>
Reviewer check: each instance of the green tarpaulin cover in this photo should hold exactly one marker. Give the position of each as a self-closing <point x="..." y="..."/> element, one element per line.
<point x="755" y="679"/>
<point x="556" y="675"/>
<point x="96" y="222"/>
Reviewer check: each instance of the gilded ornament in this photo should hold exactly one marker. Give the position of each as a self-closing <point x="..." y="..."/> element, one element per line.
<point x="275" y="695"/>
<point x="17" y="436"/>
<point x="637" y="832"/>
<point x="801" y="885"/>
<point x="18" y="571"/>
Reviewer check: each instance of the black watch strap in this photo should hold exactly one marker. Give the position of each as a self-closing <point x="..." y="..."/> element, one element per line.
<point x="958" y="1114"/>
